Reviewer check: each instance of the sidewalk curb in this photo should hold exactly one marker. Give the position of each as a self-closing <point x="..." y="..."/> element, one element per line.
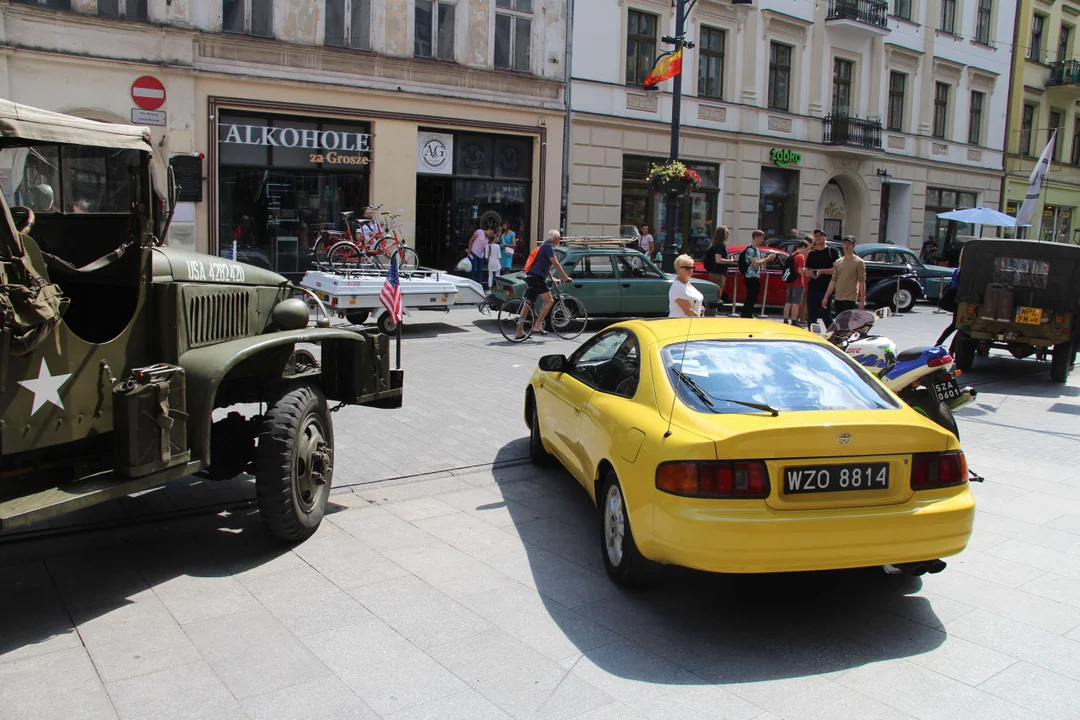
<point x="435" y="475"/>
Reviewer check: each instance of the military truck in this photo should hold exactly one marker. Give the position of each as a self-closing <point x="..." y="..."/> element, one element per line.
<point x="119" y="355"/>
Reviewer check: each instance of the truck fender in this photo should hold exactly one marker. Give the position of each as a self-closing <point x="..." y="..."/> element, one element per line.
<point x="207" y="367"/>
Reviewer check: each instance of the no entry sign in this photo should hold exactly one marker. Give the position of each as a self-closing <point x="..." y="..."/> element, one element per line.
<point x="148" y="93"/>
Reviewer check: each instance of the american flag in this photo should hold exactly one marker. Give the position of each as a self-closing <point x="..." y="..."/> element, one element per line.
<point x="390" y="297"/>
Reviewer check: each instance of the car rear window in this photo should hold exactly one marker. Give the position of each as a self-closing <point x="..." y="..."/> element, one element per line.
<point x="789" y="375"/>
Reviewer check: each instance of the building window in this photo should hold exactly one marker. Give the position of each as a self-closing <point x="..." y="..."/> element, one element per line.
<point x="129" y="9"/>
<point x="975" y="118"/>
<point x="948" y="17"/>
<point x="348" y="24"/>
<point x="941" y="108"/>
<point x="1064" y="38"/>
<point x="513" y="35"/>
<point x="982" y="22"/>
<point x="248" y="17"/>
<point x="841" y="87"/>
<point x="902" y="9"/>
<point x="640" y="46"/>
<point x="897" y="86"/>
<point x="711" y="63"/>
<point x="434" y="29"/>
<point x="1027" y="121"/>
<point x="779" y="75"/>
<point x="50" y="4"/>
<point x="1055" y="124"/>
<point x="1035" y="45"/>
<point x="1076" y="141"/>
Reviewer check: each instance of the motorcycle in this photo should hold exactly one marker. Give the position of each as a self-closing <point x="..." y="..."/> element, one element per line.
<point x="923" y="377"/>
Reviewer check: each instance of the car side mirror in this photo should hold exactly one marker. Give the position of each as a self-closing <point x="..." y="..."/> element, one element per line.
<point x="554" y="363"/>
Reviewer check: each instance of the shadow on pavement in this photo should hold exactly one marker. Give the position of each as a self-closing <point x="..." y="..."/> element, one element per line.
<point x="720" y="628"/>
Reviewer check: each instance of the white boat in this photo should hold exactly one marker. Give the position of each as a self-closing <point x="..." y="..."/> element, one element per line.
<point x="354" y="294"/>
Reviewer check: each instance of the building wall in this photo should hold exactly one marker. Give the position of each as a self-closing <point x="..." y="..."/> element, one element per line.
<point x="738" y="131"/>
<point x="79" y="63"/>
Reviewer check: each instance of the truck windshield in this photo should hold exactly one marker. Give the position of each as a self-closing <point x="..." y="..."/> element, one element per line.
<point x="69" y="179"/>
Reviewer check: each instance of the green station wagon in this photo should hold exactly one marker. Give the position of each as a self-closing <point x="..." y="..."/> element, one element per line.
<point x="612" y="281"/>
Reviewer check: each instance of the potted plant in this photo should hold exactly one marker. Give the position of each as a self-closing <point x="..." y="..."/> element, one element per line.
<point x="673" y="178"/>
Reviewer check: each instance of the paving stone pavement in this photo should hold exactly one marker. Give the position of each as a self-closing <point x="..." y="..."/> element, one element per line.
<point x="449" y="581"/>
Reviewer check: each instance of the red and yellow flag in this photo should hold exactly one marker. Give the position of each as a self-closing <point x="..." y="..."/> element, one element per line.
<point x="667" y="66"/>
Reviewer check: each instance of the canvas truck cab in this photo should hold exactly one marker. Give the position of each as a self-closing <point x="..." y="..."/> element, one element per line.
<point x="1020" y="296"/>
<point x="115" y="350"/>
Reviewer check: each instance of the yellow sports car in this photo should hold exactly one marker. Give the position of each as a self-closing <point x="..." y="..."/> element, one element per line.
<point x="746" y="446"/>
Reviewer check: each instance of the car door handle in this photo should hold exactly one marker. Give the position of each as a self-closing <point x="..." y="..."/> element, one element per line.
<point x="626" y="285"/>
<point x="578" y="408"/>
<point x="577" y="285"/>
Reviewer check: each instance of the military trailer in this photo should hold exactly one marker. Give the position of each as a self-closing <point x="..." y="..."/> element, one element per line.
<point x="116" y="351"/>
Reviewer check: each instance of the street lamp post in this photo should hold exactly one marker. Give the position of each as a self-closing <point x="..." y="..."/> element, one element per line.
<point x="671" y="212"/>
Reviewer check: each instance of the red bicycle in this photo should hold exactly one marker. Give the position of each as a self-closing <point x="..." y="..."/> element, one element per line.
<point x="372" y="243"/>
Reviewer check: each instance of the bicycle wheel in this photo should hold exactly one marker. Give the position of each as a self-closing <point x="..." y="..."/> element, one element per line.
<point x="513" y="315"/>
<point x="344" y="255"/>
<point x="408" y="258"/>
<point x="320" y="250"/>
<point x="568" y="317"/>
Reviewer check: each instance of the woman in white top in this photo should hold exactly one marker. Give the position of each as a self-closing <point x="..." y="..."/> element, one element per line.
<point x="684" y="300"/>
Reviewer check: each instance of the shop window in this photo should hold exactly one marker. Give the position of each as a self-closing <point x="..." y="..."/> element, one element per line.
<point x="348" y="24"/>
<point x="1055" y="125"/>
<point x="841" y="99"/>
<point x="1035" y="44"/>
<point x="902" y="9"/>
<point x="641" y="207"/>
<point x="640" y="46"/>
<point x="947" y="22"/>
<point x="50" y="4"/>
<point x="434" y="26"/>
<point x="711" y="63"/>
<point x="897" y="87"/>
<point x="939" y="200"/>
<point x="778" y="210"/>
<point x="129" y="9"/>
<point x="513" y="35"/>
<point x="982" y="22"/>
<point x="941" y="109"/>
<point x="975" y="118"/>
<point x="248" y="17"/>
<point x="779" y="76"/>
<point x="1027" y="121"/>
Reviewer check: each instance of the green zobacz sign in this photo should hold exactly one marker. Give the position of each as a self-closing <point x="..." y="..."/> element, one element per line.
<point x="783" y="158"/>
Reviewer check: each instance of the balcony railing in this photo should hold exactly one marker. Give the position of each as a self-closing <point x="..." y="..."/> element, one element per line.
<point x="1064" y="72"/>
<point x="856" y="132"/>
<point x="868" y="12"/>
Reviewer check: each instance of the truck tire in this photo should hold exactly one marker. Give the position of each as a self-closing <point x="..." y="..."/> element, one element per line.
<point x="386" y="325"/>
<point x="357" y="317"/>
<point x="294" y="463"/>
<point x="1060" y="360"/>
<point x="926" y="403"/>
<point x="963" y="350"/>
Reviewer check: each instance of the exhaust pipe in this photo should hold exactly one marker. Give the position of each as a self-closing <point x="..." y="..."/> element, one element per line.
<point x="915" y="569"/>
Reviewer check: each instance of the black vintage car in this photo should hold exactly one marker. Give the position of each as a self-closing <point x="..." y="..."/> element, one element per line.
<point x="1021" y="296"/>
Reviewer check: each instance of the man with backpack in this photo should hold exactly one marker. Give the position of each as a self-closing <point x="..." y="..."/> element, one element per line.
<point x="819" y="270"/>
<point x="537" y="269"/>
<point x="750" y="262"/>
<point x="793" y="276"/>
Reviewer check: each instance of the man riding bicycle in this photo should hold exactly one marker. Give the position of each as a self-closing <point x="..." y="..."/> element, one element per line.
<point x="536" y="282"/>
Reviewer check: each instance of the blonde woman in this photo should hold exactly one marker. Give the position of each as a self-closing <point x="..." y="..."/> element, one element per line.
<point x="684" y="300"/>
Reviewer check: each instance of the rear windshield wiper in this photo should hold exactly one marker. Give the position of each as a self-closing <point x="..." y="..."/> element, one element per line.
<point x="706" y="398"/>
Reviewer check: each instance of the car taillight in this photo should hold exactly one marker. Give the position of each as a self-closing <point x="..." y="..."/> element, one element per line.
<point x="737" y="480"/>
<point x="939" y="361"/>
<point x="938" y="470"/>
<point x="510" y="292"/>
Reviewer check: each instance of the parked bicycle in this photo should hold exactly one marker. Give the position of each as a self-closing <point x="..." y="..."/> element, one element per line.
<point x="373" y="243"/>
<point x="567" y="317"/>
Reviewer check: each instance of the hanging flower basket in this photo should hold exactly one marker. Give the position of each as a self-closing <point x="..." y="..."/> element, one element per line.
<point x="673" y="179"/>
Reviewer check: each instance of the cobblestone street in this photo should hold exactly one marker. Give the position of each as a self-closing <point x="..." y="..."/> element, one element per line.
<point x="452" y="579"/>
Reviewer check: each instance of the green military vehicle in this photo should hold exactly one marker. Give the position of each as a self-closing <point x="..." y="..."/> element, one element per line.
<point x="116" y="351"/>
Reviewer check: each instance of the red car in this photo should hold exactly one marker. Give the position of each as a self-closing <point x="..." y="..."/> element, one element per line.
<point x="776" y="294"/>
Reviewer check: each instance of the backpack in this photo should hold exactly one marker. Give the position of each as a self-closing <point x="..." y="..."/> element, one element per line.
<point x="788" y="273"/>
<point x="744" y="262"/>
<point x="709" y="261"/>
<point x="531" y="259"/>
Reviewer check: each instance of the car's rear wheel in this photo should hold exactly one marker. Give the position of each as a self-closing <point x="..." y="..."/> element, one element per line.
<point x="624" y="563"/>
<point x="537" y="454"/>
<point x="1060" y="361"/>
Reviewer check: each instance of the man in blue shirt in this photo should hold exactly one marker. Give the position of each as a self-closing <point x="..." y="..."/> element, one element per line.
<point x="536" y="281"/>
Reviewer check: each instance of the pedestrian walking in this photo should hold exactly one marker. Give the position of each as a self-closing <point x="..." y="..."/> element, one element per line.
<point x="684" y="300"/>
<point x="717" y="260"/>
<point x="819" y="269"/>
<point x="750" y="263"/>
<point x="507" y="239"/>
<point x="645" y="242"/>
<point x="477" y="252"/>
<point x="848" y="280"/>
<point x="494" y="259"/>
<point x="947" y="302"/>
<point x="796" y="280"/>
